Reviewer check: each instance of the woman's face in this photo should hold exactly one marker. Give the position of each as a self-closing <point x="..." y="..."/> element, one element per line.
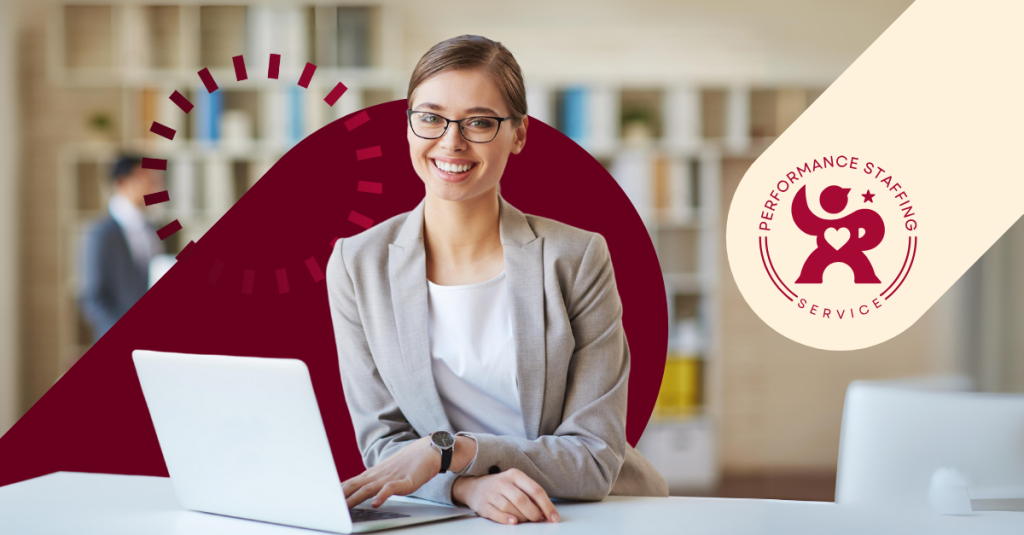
<point x="457" y="94"/>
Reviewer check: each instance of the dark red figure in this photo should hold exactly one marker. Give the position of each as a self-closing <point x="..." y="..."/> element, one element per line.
<point x="851" y="252"/>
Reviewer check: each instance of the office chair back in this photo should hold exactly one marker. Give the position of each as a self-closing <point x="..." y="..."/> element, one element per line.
<point x="894" y="439"/>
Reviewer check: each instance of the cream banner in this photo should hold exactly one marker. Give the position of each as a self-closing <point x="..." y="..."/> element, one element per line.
<point x="892" y="184"/>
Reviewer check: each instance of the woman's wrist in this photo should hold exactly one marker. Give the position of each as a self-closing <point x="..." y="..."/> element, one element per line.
<point x="461" y="489"/>
<point x="463" y="453"/>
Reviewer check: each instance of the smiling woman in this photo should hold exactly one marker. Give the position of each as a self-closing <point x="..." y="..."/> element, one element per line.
<point x="481" y="349"/>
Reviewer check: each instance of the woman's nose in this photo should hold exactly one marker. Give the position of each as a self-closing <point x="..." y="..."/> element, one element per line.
<point x="452" y="139"/>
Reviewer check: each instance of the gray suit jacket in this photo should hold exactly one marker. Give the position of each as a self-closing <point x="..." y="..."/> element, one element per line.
<point x="571" y="352"/>
<point x="111" y="281"/>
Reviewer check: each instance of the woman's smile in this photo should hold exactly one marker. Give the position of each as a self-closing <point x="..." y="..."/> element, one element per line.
<point x="452" y="170"/>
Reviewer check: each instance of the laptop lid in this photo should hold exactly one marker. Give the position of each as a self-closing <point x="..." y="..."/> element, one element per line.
<point x="242" y="436"/>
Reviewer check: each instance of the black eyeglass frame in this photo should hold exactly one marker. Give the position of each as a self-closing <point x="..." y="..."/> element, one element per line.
<point x="448" y="122"/>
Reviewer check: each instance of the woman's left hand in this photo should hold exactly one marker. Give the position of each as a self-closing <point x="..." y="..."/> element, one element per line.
<point x="401" y="474"/>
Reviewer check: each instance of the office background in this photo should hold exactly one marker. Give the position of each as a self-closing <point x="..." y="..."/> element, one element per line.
<point x="676" y="99"/>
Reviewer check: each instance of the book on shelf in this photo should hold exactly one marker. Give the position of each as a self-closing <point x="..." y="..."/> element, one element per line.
<point x="149" y="112"/>
<point x="208" y="110"/>
<point x="573" y="114"/>
<point x="353" y="33"/>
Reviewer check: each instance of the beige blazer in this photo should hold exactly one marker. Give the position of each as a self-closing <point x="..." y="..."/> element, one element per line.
<point x="571" y="355"/>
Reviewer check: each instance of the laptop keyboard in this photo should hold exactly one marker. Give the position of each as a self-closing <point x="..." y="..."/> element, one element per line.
<point x="366" y="515"/>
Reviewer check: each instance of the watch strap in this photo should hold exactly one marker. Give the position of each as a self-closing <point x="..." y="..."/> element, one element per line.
<point x="446" y="459"/>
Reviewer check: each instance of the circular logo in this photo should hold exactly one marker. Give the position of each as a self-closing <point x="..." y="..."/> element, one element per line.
<point x="837" y="237"/>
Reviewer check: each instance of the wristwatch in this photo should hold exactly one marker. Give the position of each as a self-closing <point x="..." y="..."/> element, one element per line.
<point x="444" y="442"/>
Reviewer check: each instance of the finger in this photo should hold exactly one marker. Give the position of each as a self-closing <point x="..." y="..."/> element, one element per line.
<point x="364" y="493"/>
<point x="504" y="505"/>
<point x="389" y="489"/>
<point x="538" y="495"/>
<point x="522" y="502"/>
<point x="490" y="512"/>
<point x="354" y="483"/>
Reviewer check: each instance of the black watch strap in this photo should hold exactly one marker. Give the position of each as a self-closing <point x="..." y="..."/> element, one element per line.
<point x="446" y="460"/>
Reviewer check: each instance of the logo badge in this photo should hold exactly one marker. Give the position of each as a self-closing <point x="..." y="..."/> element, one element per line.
<point x="836" y="237"/>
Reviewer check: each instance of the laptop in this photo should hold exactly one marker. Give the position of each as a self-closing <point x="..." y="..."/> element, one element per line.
<point x="243" y="437"/>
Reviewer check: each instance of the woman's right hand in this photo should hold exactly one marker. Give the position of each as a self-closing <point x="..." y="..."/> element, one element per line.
<point x="507" y="497"/>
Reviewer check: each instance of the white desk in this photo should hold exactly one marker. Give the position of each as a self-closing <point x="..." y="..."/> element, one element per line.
<point x="68" y="502"/>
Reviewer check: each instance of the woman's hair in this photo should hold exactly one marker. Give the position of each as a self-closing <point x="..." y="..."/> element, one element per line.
<point x="475" y="52"/>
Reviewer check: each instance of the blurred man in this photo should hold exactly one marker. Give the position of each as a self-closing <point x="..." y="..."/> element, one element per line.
<point x="115" y="255"/>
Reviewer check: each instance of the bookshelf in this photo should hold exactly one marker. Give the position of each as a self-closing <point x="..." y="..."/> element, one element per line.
<point x="232" y="136"/>
<point x="665" y="145"/>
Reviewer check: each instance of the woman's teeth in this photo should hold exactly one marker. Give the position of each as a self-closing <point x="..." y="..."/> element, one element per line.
<point x="452" y="169"/>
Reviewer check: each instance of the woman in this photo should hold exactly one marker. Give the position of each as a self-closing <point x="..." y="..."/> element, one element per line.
<point x="481" y="349"/>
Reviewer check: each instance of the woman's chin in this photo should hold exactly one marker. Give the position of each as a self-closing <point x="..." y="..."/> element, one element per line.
<point x="453" y="192"/>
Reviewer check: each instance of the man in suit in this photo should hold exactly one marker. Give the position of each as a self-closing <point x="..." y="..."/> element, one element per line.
<point x="115" y="255"/>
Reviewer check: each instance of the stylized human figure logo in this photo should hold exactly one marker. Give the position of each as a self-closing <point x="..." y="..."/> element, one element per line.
<point x="839" y="240"/>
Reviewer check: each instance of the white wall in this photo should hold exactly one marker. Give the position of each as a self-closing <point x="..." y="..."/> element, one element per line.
<point x="8" y="219"/>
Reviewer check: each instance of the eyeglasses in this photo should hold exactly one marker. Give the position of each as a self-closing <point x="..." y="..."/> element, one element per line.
<point x="475" y="129"/>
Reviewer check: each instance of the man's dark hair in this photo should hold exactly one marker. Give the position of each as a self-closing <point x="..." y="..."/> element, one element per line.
<point x="124" y="166"/>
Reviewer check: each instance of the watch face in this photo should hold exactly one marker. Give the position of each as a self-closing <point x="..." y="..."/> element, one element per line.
<point x="443" y="439"/>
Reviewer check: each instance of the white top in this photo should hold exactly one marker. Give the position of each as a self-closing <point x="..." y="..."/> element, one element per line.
<point x="473" y="356"/>
<point x="143" y="242"/>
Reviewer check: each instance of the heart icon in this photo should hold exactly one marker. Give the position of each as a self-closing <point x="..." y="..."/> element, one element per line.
<point x="837" y="238"/>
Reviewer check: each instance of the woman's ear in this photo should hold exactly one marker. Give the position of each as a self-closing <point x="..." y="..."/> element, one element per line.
<point x="520" y="133"/>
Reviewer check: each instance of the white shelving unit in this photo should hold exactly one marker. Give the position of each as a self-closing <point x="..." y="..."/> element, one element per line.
<point x="669" y="162"/>
<point x="147" y="52"/>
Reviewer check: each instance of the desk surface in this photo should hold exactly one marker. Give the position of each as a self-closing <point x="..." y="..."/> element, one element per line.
<point x="68" y="502"/>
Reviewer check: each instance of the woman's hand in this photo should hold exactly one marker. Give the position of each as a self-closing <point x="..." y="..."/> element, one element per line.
<point x="507" y="497"/>
<point x="402" y="474"/>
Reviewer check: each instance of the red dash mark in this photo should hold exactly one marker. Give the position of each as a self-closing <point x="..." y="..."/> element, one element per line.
<point x="154" y="163"/>
<point x="275" y="66"/>
<point x="367" y="153"/>
<point x="334" y="241"/>
<point x="186" y="252"/>
<point x="240" y="73"/>
<point x="162" y="131"/>
<point x="335" y="94"/>
<point x="248" y="277"/>
<point x="282" y="281"/>
<point x="169" y="229"/>
<point x="208" y="81"/>
<point x="181" y="101"/>
<point x="218" y="266"/>
<point x="307" y="75"/>
<point x="360" y="219"/>
<point x="156" y="198"/>
<point x="357" y="120"/>
<point x="370" y="187"/>
<point x="314" y="269"/>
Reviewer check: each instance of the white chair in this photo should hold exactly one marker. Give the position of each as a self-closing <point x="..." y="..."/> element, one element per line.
<point x="894" y="439"/>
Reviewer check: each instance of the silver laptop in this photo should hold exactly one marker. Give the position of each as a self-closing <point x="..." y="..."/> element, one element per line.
<point x="243" y="437"/>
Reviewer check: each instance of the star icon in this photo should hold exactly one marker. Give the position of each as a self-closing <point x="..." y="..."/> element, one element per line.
<point x="868" y="197"/>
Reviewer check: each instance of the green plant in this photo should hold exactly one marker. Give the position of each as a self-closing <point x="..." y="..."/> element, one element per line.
<point x="100" y="121"/>
<point x="636" y="114"/>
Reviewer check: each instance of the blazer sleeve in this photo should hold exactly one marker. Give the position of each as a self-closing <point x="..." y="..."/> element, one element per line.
<point x="381" y="428"/>
<point x="582" y="459"/>
<point x="94" y="296"/>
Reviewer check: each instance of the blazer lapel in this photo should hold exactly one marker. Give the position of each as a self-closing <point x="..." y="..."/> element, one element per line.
<point x="524" y="275"/>
<point x="407" y="271"/>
